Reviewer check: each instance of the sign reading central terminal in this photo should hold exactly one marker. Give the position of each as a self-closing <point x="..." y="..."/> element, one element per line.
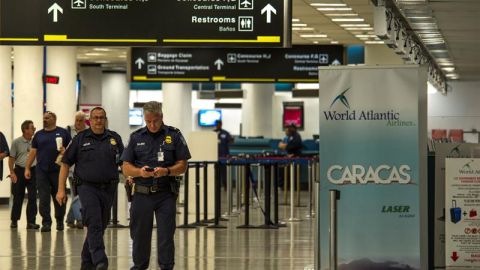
<point x="228" y="23"/>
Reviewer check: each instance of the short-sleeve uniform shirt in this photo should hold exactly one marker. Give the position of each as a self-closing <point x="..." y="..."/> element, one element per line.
<point x="160" y="149"/>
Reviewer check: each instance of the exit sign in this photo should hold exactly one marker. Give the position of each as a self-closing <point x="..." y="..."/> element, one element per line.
<point x="51" y="79"/>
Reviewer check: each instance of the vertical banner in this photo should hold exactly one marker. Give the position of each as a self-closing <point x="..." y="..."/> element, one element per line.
<point x="462" y="205"/>
<point x="442" y="151"/>
<point x="373" y="150"/>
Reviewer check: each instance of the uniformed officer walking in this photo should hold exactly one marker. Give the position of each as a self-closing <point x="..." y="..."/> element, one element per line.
<point x="95" y="152"/>
<point x="154" y="155"/>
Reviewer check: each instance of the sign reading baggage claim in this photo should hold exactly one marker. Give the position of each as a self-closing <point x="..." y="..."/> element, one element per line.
<point x="226" y="23"/>
<point x="296" y="64"/>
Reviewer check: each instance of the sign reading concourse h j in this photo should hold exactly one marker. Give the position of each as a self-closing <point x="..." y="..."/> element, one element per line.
<point x="226" y="23"/>
<point x="296" y="64"/>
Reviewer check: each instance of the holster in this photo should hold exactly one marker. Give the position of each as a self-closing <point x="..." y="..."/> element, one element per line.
<point x="175" y="187"/>
<point x="129" y="191"/>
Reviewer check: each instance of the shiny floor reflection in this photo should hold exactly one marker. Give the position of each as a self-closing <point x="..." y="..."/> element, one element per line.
<point x="196" y="249"/>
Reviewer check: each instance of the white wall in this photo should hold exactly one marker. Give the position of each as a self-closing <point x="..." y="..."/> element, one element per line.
<point x="459" y="109"/>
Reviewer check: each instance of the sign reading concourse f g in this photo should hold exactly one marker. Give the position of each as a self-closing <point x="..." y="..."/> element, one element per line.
<point x="296" y="64"/>
<point x="373" y="150"/>
<point x="225" y="23"/>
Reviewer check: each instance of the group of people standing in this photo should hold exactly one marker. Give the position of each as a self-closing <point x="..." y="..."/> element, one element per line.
<point x="43" y="161"/>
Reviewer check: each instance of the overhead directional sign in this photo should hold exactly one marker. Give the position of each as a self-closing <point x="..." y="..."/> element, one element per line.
<point x="225" y="23"/>
<point x="296" y="64"/>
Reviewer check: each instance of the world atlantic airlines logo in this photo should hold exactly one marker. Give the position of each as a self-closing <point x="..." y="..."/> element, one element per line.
<point x="342" y="98"/>
<point x="347" y="112"/>
<point x="467" y="168"/>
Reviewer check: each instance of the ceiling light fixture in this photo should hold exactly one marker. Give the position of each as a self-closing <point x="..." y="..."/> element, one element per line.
<point x="328" y="5"/>
<point x="341" y="14"/>
<point x="334" y="9"/>
<point x="348" y="20"/>
<point x="313" y="36"/>
<point x="355" y="25"/>
<point x="299" y="24"/>
<point x="303" y="28"/>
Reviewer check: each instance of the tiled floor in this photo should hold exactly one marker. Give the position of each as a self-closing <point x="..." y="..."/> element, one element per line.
<point x="196" y="249"/>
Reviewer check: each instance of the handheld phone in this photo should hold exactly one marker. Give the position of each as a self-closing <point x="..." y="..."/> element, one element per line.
<point x="149" y="169"/>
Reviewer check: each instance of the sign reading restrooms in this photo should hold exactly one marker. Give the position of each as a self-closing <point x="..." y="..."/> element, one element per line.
<point x="373" y="150"/>
<point x="226" y="23"/>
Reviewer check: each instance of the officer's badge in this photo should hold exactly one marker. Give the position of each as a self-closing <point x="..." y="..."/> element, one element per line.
<point x="168" y="139"/>
<point x="113" y="142"/>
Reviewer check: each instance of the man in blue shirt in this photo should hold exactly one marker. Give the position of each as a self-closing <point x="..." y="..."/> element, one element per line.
<point x="95" y="152"/>
<point x="154" y="156"/>
<point x="46" y="151"/>
<point x="224" y="139"/>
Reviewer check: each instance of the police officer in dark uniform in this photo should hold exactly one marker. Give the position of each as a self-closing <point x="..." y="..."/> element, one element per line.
<point x="293" y="142"/>
<point x="95" y="152"/>
<point x="154" y="156"/>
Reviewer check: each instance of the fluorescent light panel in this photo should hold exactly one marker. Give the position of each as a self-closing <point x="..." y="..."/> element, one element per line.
<point x="341" y="14"/>
<point x="334" y="9"/>
<point x="299" y="24"/>
<point x="348" y="20"/>
<point x="328" y="5"/>
<point x="314" y="36"/>
<point x="355" y="25"/>
<point x="303" y="28"/>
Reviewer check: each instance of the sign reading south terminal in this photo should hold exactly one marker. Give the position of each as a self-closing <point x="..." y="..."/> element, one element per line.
<point x="225" y="23"/>
<point x="296" y="64"/>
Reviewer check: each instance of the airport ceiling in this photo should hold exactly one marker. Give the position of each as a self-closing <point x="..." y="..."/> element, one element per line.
<point x="313" y="22"/>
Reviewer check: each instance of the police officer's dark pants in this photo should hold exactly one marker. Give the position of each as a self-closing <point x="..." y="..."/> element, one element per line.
<point x="163" y="204"/>
<point x="18" y="190"/>
<point x="47" y="185"/>
<point x="96" y="205"/>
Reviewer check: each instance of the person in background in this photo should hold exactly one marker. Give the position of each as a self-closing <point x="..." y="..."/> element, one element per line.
<point x="293" y="142"/>
<point x="74" y="217"/>
<point x="47" y="145"/>
<point x="95" y="153"/>
<point x="224" y="139"/>
<point x="4" y="152"/>
<point x="154" y="156"/>
<point x="16" y="162"/>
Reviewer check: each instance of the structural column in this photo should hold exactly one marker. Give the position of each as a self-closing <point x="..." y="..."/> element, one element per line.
<point x="177" y="106"/>
<point x="91" y="84"/>
<point x="28" y="87"/>
<point x="257" y="108"/>
<point x="6" y="108"/>
<point x="115" y="96"/>
<point x="62" y="97"/>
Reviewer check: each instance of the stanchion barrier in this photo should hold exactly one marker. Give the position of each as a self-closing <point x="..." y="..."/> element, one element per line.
<point x="310" y="214"/>
<point x="276" y="173"/>
<point x="218" y="199"/>
<point x="229" y="212"/>
<point x="285" y="184"/>
<point x="297" y="181"/>
<point x="205" y="194"/>
<point x="197" y="196"/>
<point x="292" y="194"/>
<point x="247" y="225"/>
<point x="185" y="224"/>
<point x="114" y="223"/>
<point x="268" y="224"/>
<point x="239" y="187"/>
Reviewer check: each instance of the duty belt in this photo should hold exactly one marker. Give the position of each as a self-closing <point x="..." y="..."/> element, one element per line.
<point x="149" y="189"/>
